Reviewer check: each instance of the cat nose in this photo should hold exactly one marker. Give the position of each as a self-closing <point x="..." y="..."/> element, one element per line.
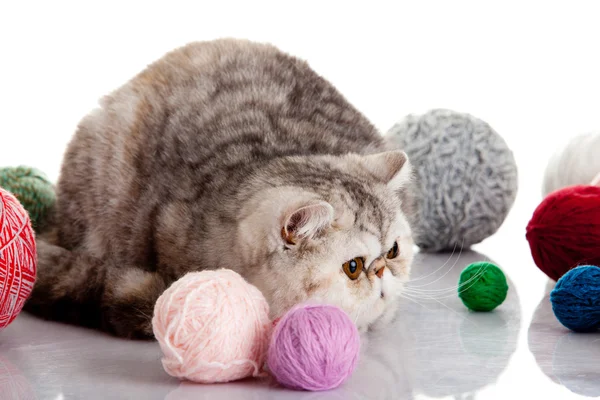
<point x="378" y="266"/>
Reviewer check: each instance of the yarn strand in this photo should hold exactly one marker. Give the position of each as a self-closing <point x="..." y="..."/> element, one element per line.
<point x="212" y="326"/>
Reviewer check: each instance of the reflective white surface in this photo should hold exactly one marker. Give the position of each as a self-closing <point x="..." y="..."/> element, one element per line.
<point x="435" y="349"/>
<point x="529" y="69"/>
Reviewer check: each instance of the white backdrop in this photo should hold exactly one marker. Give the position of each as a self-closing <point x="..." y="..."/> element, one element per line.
<point x="530" y="69"/>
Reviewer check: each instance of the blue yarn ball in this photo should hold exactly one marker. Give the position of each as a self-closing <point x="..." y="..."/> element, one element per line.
<point x="576" y="299"/>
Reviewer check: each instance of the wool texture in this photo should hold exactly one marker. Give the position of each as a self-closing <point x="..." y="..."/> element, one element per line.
<point x="33" y="190"/>
<point x="212" y="326"/>
<point x="564" y="231"/>
<point x="574" y="163"/>
<point x="466" y="178"/>
<point x="313" y="347"/>
<point x="576" y="299"/>
<point x="482" y="286"/>
<point x="17" y="257"/>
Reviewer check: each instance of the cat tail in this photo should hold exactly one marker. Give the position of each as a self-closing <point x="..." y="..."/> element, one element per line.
<point x="76" y="288"/>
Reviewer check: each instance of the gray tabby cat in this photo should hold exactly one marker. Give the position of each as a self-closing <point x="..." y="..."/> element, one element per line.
<point x="225" y="154"/>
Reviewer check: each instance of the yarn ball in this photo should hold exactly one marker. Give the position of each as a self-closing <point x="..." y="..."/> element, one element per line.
<point x="574" y="163"/>
<point x="576" y="299"/>
<point x="32" y="188"/>
<point x="212" y="326"/>
<point x="564" y="231"/>
<point x="18" y="257"/>
<point x="466" y="178"/>
<point x="313" y="347"/>
<point x="482" y="286"/>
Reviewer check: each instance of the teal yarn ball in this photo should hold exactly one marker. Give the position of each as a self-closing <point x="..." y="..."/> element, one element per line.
<point x="482" y="286"/>
<point x="33" y="190"/>
<point x="576" y="299"/>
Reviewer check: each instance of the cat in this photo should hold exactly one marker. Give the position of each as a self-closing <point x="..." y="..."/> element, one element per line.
<point x="225" y="154"/>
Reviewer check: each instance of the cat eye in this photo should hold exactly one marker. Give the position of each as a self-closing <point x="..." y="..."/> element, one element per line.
<point x="354" y="267"/>
<point x="393" y="252"/>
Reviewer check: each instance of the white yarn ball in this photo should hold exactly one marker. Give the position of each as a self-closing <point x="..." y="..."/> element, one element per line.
<point x="577" y="163"/>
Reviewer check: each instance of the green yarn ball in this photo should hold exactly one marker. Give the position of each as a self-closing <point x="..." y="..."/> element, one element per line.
<point x="33" y="190"/>
<point x="482" y="286"/>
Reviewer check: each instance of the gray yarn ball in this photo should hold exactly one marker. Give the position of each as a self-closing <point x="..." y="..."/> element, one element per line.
<point x="466" y="178"/>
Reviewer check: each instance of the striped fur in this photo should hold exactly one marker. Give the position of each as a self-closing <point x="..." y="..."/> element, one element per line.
<point x="202" y="161"/>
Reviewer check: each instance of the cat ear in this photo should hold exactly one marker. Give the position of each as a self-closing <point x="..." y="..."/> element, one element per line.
<point x="306" y="222"/>
<point x="390" y="167"/>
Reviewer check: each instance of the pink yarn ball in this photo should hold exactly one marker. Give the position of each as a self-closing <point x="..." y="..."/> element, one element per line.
<point x="314" y="347"/>
<point x="18" y="257"/>
<point x="212" y="326"/>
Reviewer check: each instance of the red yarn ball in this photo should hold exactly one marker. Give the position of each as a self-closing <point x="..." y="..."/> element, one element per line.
<point x="564" y="231"/>
<point x="17" y="257"/>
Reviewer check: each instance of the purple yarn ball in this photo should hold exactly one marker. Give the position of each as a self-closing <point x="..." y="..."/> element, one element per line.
<point x="313" y="347"/>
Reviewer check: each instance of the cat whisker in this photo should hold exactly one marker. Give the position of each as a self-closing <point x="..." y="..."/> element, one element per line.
<point x="414" y="301"/>
<point x="451" y="268"/>
<point x="360" y="311"/>
<point x="437" y="300"/>
<point x="450" y="291"/>
<point x="443" y="265"/>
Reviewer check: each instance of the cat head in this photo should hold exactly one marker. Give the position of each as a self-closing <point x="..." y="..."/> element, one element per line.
<point x="330" y="229"/>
